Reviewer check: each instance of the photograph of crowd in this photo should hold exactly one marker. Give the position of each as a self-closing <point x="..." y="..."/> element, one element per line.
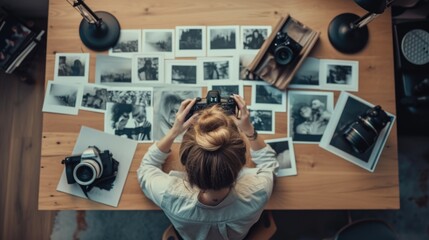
<point x="307" y="76"/>
<point x="253" y="37"/>
<point x="285" y="156"/>
<point x="112" y="69"/>
<point x="94" y="98"/>
<point x="148" y="68"/>
<point x="134" y="95"/>
<point x="62" y="97"/>
<point x="263" y="120"/>
<point x="158" y="40"/>
<point x="181" y="71"/>
<point x="128" y="43"/>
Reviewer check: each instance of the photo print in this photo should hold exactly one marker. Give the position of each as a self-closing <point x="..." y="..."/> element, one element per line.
<point x="307" y="76"/>
<point x="190" y="41"/>
<point x="262" y="120"/>
<point x="266" y="96"/>
<point x="222" y="40"/>
<point x="71" y="67"/>
<point x="347" y="111"/>
<point x="339" y="75"/>
<point x="112" y="69"/>
<point x="308" y="115"/>
<point x="252" y="37"/>
<point x="166" y="105"/>
<point x="158" y="41"/>
<point x="131" y="95"/>
<point x="226" y="88"/>
<point x="220" y="68"/>
<point x="94" y="98"/>
<point x="129" y="43"/>
<point x="285" y="155"/>
<point x="132" y="121"/>
<point x="181" y="72"/>
<point x="148" y="68"/>
<point x="244" y="60"/>
<point x="62" y="97"/>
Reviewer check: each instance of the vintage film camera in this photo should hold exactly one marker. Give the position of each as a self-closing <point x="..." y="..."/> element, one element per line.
<point x="363" y="133"/>
<point x="91" y="168"/>
<point x="213" y="97"/>
<point x="284" y="49"/>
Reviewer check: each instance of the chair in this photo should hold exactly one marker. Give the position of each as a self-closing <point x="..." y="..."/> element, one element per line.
<point x="368" y="229"/>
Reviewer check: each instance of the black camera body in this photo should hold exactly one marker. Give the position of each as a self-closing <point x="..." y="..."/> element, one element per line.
<point x="363" y="133"/>
<point x="213" y="97"/>
<point x="284" y="49"/>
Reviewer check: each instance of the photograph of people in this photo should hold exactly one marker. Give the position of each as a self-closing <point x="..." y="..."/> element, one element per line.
<point x="210" y="199"/>
<point x="262" y="120"/>
<point x="71" y="67"/>
<point x="94" y="98"/>
<point x="342" y="75"/>
<point x="216" y="70"/>
<point x="148" y="69"/>
<point x="254" y="37"/>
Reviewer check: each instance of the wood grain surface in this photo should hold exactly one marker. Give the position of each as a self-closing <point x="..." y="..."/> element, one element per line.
<point x="324" y="180"/>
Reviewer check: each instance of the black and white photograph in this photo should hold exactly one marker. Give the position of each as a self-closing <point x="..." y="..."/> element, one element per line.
<point x="308" y="115"/>
<point x="131" y="95"/>
<point x="263" y="120"/>
<point x="166" y="105"/>
<point x="190" y="41"/>
<point x="62" y="97"/>
<point x="71" y="67"/>
<point x="266" y="96"/>
<point x="222" y="40"/>
<point x="181" y="72"/>
<point x="285" y="155"/>
<point x="342" y="75"/>
<point x="226" y="88"/>
<point x="94" y="98"/>
<point x="355" y="131"/>
<point x="252" y="37"/>
<point x="157" y="41"/>
<point x="122" y="151"/>
<point x="244" y="60"/>
<point x="132" y="121"/>
<point x="219" y="68"/>
<point x="148" y="68"/>
<point x="307" y="76"/>
<point x="129" y="43"/>
<point x="113" y="70"/>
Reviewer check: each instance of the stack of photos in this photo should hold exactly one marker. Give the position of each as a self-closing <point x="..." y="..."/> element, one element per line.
<point x="285" y="156"/>
<point x="347" y="111"/>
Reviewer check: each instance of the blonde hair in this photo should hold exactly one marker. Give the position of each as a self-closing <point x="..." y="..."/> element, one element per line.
<point x="213" y="151"/>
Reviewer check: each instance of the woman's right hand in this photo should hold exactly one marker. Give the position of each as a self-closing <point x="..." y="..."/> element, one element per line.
<point x="180" y="125"/>
<point x="243" y="117"/>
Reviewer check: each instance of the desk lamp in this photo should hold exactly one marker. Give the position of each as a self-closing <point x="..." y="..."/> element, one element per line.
<point x="100" y="30"/>
<point x="348" y="32"/>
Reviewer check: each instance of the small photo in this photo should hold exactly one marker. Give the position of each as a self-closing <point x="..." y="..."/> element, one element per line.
<point x="156" y="41"/>
<point x="71" y="67"/>
<point x="129" y="43"/>
<point x="252" y="37"/>
<point x="131" y="95"/>
<point x="112" y="69"/>
<point x="222" y="40"/>
<point x="131" y="121"/>
<point x="262" y="120"/>
<point x="148" y="68"/>
<point x="307" y="76"/>
<point x="216" y="68"/>
<point x="226" y="88"/>
<point x="308" y="115"/>
<point x="266" y="96"/>
<point x="285" y="156"/>
<point x="190" y="41"/>
<point x="244" y="60"/>
<point x="62" y="97"/>
<point x="94" y="98"/>
<point x="181" y="72"/>
<point x="339" y="75"/>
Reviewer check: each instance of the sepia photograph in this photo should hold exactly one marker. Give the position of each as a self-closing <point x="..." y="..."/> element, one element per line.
<point x="129" y="43"/>
<point x="222" y="40"/>
<point x="266" y="96"/>
<point x="62" y="97"/>
<point x="219" y="68"/>
<point x="148" y="68"/>
<point x="181" y="72"/>
<point x="339" y="75"/>
<point x="132" y="121"/>
<point x="285" y="155"/>
<point x="308" y="115"/>
<point x="112" y="69"/>
<point x="190" y="41"/>
<point x="252" y="37"/>
<point x="226" y="88"/>
<point x="244" y="60"/>
<point x="307" y="76"/>
<point x="158" y="41"/>
<point x="71" y="67"/>
<point x="94" y="98"/>
<point x="364" y="144"/>
<point x="262" y="120"/>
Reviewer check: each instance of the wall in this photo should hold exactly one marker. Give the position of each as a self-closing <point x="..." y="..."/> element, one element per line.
<point x="27" y="8"/>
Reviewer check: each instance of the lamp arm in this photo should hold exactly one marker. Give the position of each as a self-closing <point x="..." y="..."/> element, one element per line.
<point x="367" y="18"/>
<point x="85" y="11"/>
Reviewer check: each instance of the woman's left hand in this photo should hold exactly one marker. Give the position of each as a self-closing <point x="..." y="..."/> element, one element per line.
<point x="180" y="125"/>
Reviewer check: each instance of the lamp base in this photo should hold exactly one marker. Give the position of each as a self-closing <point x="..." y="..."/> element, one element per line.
<point x="343" y="37"/>
<point x="103" y="37"/>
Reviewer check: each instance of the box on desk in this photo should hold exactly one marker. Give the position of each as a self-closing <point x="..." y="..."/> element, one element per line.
<point x="283" y="52"/>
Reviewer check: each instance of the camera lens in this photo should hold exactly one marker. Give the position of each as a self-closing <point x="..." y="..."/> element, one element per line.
<point x="359" y="137"/>
<point x="283" y="55"/>
<point x="86" y="172"/>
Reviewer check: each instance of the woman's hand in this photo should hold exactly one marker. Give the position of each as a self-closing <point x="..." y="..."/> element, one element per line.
<point x="180" y="125"/>
<point x="243" y="118"/>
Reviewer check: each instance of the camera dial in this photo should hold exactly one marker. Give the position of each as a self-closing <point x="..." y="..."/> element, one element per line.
<point x="90" y="167"/>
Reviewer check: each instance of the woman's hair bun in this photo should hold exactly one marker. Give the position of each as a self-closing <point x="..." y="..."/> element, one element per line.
<point x="212" y="131"/>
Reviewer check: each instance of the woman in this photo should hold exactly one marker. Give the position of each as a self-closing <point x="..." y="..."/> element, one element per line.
<point x="217" y="197"/>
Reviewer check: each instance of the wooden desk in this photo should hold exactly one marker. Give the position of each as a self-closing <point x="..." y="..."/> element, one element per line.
<point x="324" y="180"/>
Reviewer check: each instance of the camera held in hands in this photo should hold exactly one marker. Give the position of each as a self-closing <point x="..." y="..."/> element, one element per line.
<point x="363" y="133"/>
<point x="284" y="49"/>
<point x="213" y="97"/>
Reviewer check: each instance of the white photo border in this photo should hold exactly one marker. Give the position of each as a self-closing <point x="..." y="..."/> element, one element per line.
<point x="93" y="86"/>
<point x="191" y="53"/>
<point x="283" y="172"/>
<point x="231" y="69"/>
<point x="124" y="32"/>
<point x="273" y="119"/>
<point x="167" y="54"/>
<point x="53" y="108"/>
<point x="73" y="79"/>
<point x="168" y="71"/>
<point x="223" y="52"/>
<point x="241" y="38"/>
<point x="275" y="107"/>
<point x="323" y="73"/>
<point x="135" y="77"/>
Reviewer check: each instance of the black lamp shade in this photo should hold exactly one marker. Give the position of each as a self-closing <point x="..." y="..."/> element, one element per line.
<point x="373" y="6"/>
